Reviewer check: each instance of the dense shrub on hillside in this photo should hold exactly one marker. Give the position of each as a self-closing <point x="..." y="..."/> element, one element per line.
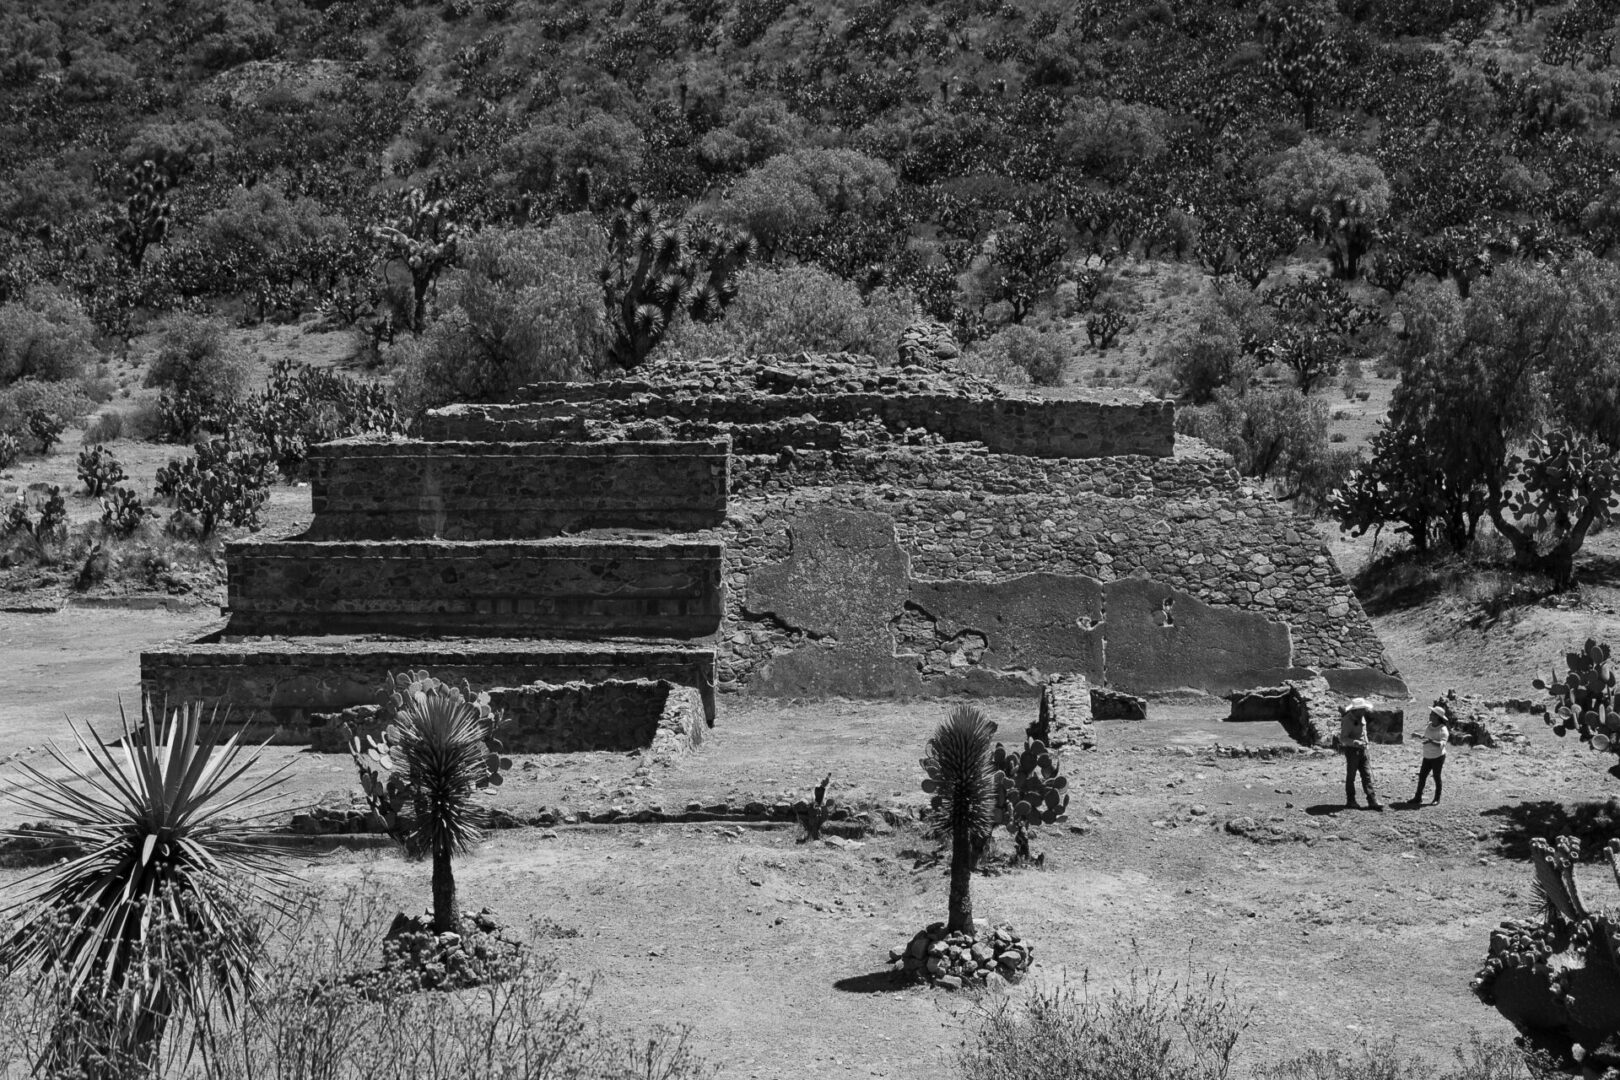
<point x="201" y="371"/>
<point x="799" y="308"/>
<point x="1040" y="354"/>
<point x="527" y="305"/>
<point x="22" y="401"/>
<point x="1278" y="435"/>
<point x="46" y="336"/>
<point x="259" y="234"/>
<point x="798" y="191"/>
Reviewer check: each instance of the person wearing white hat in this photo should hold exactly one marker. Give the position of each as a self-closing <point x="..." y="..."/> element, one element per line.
<point x="1353" y="745"/>
<point x="1435" y="737"/>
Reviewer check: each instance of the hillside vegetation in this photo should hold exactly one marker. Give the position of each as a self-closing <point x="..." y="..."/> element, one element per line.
<point x="1245" y="205"/>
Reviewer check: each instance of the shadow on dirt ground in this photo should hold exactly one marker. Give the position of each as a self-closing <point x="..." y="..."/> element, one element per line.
<point x="1596" y="823"/>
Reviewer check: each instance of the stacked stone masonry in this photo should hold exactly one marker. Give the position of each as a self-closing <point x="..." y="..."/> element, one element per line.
<point x="874" y="532"/>
<point x="368" y="489"/>
<point x="835" y="390"/>
<point x="567" y="587"/>
<point x="275" y="686"/>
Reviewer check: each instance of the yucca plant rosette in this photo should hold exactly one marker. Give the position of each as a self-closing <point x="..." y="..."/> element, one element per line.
<point x="424" y="775"/>
<point x="156" y="911"/>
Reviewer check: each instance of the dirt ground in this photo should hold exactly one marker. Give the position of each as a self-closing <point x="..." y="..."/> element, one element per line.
<point x="1336" y="925"/>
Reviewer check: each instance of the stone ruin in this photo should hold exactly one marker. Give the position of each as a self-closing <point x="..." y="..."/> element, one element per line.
<point x="805" y="527"/>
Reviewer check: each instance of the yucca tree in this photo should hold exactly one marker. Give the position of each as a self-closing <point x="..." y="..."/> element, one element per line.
<point x="154" y="915"/>
<point x="437" y="754"/>
<point x="961" y="779"/>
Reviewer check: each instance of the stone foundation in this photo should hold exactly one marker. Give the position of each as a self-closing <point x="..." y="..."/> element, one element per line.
<point x="274" y="688"/>
<point x="615" y="715"/>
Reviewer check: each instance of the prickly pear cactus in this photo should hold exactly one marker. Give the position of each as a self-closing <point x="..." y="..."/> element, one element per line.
<point x="1558" y="979"/>
<point x="1584" y="698"/>
<point x="1029" y="791"/>
<point x="387" y="791"/>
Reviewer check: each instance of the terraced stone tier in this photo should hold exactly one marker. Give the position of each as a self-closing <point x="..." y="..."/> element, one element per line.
<point x="273" y="686"/>
<point x="560" y="587"/>
<point x="374" y="489"/>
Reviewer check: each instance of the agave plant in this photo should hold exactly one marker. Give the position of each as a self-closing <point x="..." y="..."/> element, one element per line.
<point x="437" y="754"/>
<point x="153" y="915"/>
<point x="962" y="781"/>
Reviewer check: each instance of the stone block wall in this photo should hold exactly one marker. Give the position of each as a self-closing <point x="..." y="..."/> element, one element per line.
<point x="945" y="591"/>
<point x="1037" y="427"/>
<point x="273" y="688"/>
<point x="611" y="715"/>
<point x="367" y="489"/>
<point x="1196" y="470"/>
<point x="559" y="587"/>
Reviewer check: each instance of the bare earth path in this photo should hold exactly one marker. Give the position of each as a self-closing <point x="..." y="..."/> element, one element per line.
<point x="1336" y="925"/>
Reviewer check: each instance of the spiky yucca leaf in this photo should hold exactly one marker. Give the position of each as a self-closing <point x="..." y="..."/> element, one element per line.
<point x="171" y="858"/>
<point x="964" y="782"/>
<point x="438" y="749"/>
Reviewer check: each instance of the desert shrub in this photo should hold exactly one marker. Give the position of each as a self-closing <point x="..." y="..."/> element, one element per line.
<point x="310" y="1017"/>
<point x="44" y="336"/>
<point x="105" y="428"/>
<point x="303" y="405"/>
<point x="220" y="484"/>
<point x="99" y="469"/>
<point x="122" y="512"/>
<point x="258" y="235"/>
<point x="527" y="306"/>
<point x="98" y="75"/>
<point x="1478" y="1060"/>
<point x="38" y="520"/>
<point x="799" y="308"/>
<point x="1278" y="435"/>
<point x="10" y="450"/>
<point x="1040" y="354"/>
<point x="23" y="401"/>
<point x="45" y="428"/>
<point x="1209" y="358"/>
<point x="201" y="372"/>
<point x="1147" y="1029"/>
<point x="1109" y="138"/>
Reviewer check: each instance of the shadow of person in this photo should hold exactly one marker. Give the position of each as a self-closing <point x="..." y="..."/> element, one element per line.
<point x="1330" y="808"/>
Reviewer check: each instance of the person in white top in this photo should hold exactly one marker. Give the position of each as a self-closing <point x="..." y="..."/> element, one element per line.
<point x="1435" y="737"/>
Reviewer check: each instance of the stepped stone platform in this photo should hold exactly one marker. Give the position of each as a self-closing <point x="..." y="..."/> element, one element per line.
<point x="590" y="587"/>
<point x="276" y="686"/>
<point x="791" y="527"/>
<point x="375" y="489"/>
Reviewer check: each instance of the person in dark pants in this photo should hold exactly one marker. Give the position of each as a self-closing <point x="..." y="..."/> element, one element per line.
<point x="1353" y="745"/>
<point x="1435" y="738"/>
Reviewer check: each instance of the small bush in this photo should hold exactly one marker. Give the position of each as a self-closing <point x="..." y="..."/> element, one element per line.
<point x="1148" y="1029"/>
<point x="10" y="450"/>
<point x="21" y="400"/>
<point x="44" y="336"/>
<point x="526" y="307"/>
<point x="41" y="521"/>
<point x="1040" y="354"/>
<point x="105" y="428"/>
<point x="799" y="308"/>
<point x="219" y="485"/>
<point x="1479" y="1060"/>
<point x="200" y="370"/>
<point x="122" y="512"/>
<point x="46" y="427"/>
<point x="1279" y="435"/>
<point x="99" y="470"/>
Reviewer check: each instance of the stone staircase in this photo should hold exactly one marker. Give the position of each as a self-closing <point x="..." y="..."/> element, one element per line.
<point x="578" y="582"/>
